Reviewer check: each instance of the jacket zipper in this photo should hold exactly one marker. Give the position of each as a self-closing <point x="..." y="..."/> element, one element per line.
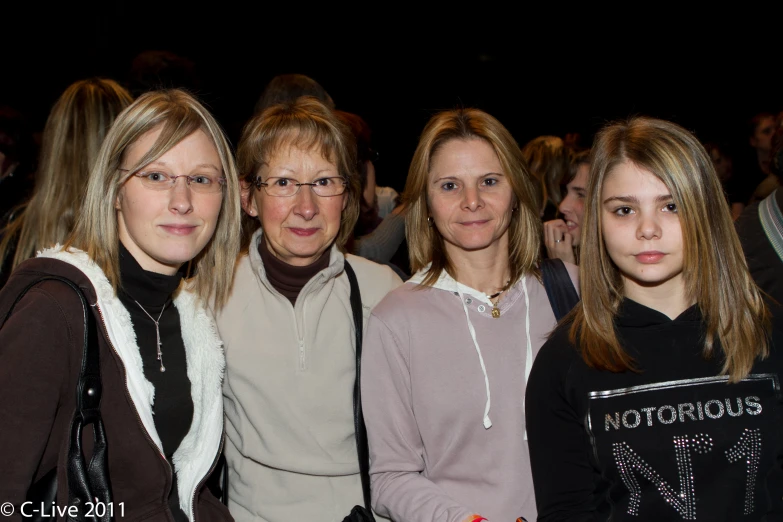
<point x="138" y="418"/>
<point x="300" y="338"/>
<point x="209" y="472"/>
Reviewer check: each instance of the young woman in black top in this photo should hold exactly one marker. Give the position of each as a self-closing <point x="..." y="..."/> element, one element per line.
<point x="659" y="396"/>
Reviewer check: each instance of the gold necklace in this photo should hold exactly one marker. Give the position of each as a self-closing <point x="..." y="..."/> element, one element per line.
<point x="495" y="309"/>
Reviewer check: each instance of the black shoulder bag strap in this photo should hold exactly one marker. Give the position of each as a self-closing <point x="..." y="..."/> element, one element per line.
<point x="559" y="287"/>
<point x="358" y="417"/>
<point x="86" y="482"/>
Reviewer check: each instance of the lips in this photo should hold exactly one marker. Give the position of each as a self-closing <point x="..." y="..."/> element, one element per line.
<point x="650" y="257"/>
<point x="474" y="223"/>
<point x="571" y="225"/>
<point x="179" y="230"/>
<point x="303" y="232"/>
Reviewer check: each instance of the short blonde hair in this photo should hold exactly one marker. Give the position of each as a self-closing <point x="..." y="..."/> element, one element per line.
<point x="715" y="273"/>
<point x="178" y="114"/>
<point x="303" y="123"/>
<point x="425" y="244"/>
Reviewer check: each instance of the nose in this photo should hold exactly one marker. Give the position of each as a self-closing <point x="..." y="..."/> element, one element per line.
<point x="649" y="227"/>
<point x="565" y="205"/>
<point x="306" y="204"/>
<point x="471" y="199"/>
<point x="180" y="197"/>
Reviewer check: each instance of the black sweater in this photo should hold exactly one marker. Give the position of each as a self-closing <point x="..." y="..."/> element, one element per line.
<point x="672" y="442"/>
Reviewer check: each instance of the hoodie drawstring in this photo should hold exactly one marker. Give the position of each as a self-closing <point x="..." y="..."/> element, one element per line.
<point x="529" y="349"/>
<point x="487" y="423"/>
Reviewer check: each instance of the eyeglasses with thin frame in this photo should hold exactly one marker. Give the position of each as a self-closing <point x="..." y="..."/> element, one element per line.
<point x="279" y="187"/>
<point x="161" y="180"/>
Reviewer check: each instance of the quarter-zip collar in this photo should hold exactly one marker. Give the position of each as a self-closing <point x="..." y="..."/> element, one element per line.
<point x="288" y="279"/>
<point x="333" y="269"/>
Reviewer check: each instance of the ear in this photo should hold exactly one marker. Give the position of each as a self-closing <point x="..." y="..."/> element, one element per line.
<point x="247" y="199"/>
<point x="345" y="200"/>
<point x="118" y="200"/>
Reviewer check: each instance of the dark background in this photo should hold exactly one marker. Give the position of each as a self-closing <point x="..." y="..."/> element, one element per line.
<point x="539" y="70"/>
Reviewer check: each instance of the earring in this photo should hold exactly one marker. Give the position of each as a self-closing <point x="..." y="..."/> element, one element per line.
<point x="429" y="221"/>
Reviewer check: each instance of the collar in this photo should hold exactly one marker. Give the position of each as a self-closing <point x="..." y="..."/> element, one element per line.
<point x="631" y="314"/>
<point x="289" y="279"/>
<point x="150" y="289"/>
<point x="332" y="270"/>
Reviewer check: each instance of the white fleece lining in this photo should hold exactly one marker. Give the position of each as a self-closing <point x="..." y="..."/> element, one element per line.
<point x="205" y="367"/>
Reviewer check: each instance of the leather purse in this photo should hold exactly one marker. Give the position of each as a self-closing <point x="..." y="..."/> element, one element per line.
<point x="359" y="513"/>
<point x="88" y="485"/>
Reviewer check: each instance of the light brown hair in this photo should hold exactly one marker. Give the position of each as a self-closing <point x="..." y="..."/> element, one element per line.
<point x="425" y="244"/>
<point x="72" y="137"/>
<point x="715" y="273"/>
<point x="303" y="123"/>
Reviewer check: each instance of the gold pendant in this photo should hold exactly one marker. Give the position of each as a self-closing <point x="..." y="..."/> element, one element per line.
<point x="495" y="312"/>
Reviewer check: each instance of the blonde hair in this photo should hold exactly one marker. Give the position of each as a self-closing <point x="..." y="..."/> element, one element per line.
<point x="72" y="137"/>
<point x="715" y="273"/>
<point x="425" y="244"/>
<point x="303" y="123"/>
<point x="178" y="114"/>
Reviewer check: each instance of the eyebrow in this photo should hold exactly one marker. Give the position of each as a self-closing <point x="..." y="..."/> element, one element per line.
<point x="457" y="178"/>
<point x="633" y="199"/>
<point x="164" y="164"/>
<point x="294" y="171"/>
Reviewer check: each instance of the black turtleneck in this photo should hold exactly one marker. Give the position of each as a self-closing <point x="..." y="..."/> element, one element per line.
<point x="288" y="279"/>
<point x="173" y="405"/>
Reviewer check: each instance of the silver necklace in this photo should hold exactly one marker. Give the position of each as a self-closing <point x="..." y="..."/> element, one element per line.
<point x="157" y="331"/>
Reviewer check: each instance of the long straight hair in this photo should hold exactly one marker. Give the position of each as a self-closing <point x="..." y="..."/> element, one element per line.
<point x="715" y="273"/>
<point x="72" y="137"/>
<point x="178" y="114"/>
<point x="425" y="244"/>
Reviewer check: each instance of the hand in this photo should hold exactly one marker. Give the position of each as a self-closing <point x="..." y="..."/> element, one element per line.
<point x="558" y="241"/>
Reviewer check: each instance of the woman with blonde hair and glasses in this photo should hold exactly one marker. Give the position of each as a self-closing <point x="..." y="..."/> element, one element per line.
<point x="72" y="137"/>
<point x="446" y="356"/>
<point x="154" y="244"/>
<point x="659" y="397"/>
<point x="288" y="325"/>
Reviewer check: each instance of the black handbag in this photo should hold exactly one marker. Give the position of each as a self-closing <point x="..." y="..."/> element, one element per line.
<point x="89" y="488"/>
<point x="359" y="513"/>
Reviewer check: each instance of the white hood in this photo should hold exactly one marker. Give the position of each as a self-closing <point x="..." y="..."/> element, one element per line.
<point x="448" y="283"/>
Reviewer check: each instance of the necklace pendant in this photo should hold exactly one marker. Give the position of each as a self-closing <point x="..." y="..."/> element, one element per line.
<point x="162" y="368"/>
<point x="495" y="312"/>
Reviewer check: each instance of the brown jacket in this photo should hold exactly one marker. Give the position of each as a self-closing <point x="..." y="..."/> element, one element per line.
<point x="40" y="354"/>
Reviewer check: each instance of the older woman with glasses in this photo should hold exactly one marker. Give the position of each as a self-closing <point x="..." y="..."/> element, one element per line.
<point x="149" y="251"/>
<point x="288" y="325"/>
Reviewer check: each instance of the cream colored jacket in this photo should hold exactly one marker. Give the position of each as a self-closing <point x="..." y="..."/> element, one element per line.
<point x="288" y="391"/>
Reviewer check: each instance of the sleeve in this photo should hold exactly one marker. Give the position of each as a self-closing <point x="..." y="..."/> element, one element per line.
<point x="563" y="475"/>
<point x="399" y="490"/>
<point x="34" y="365"/>
<point x="381" y="244"/>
